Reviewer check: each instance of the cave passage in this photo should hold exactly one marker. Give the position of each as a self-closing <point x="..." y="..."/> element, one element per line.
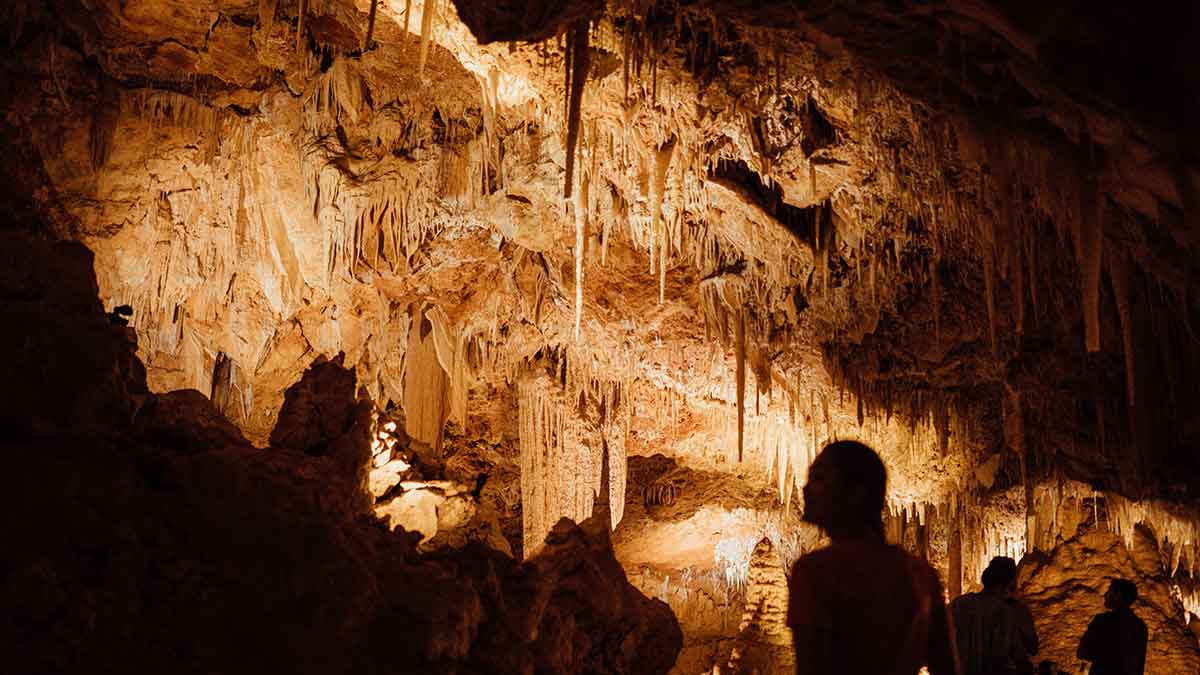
<point x="474" y="336"/>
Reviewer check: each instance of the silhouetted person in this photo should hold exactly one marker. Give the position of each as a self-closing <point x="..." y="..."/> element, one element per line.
<point x="1115" y="641"/>
<point x="860" y="605"/>
<point x="1026" y="630"/>
<point x="992" y="638"/>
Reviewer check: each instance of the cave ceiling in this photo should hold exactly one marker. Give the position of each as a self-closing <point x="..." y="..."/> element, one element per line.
<point x="915" y="223"/>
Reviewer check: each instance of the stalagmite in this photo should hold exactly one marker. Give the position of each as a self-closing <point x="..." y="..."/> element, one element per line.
<point x="428" y="12"/>
<point x="578" y="62"/>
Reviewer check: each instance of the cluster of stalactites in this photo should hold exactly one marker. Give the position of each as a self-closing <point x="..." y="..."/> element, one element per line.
<point x="1188" y="596"/>
<point x="993" y="195"/>
<point x="161" y="108"/>
<point x="743" y="532"/>
<point x="378" y="225"/>
<point x="789" y="453"/>
<point x="562" y="462"/>
<point x="1004" y="525"/>
<point x="1177" y="533"/>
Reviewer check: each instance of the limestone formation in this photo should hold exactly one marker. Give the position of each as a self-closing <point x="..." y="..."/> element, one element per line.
<point x="1066" y="589"/>
<point x="445" y="264"/>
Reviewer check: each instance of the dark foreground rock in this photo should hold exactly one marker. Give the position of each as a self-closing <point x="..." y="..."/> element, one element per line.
<point x="143" y="534"/>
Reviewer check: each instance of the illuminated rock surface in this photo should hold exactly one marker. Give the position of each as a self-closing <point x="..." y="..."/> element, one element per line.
<point x="688" y="243"/>
<point x="1066" y="589"/>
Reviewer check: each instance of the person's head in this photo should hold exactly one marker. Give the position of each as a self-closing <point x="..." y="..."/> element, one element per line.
<point x="1000" y="575"/>
<point x="1121" y="594"/>
<point x="845" y="490"/>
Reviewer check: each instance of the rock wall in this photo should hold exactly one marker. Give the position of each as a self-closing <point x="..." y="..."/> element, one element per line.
<point x="155" y="538"/>
<point x="1065" y="589"/>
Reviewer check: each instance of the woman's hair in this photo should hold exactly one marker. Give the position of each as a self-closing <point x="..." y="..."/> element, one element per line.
<point x="856" y="464"/>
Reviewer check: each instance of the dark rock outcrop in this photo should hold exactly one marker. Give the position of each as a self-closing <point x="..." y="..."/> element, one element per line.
<point x="144" y="534"/>
<point x="67" y="368"/>
<point x="529" y="20"/>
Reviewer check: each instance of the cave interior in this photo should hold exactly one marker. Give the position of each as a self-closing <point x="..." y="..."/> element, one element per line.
<point x="480" y="336"/>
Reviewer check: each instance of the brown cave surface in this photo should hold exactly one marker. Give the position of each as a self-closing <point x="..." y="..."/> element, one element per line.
<point x="499" y="335"/>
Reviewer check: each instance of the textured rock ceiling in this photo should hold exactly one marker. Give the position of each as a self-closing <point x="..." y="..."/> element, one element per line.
<point x="920" y="224"/>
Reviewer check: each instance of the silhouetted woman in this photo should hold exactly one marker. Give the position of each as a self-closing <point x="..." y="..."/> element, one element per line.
<point x="860" y="605"/>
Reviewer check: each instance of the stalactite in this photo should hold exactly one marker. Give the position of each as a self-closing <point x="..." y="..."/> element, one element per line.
<point x="1018" y="278"/>
<point x="424" y="386"/>
<point x="989" y="282"/>
<point x="407" y="13"/>
<point x="450" y="347"/>
<point x="105" y="116"/>
<point x="1031" y="256"/>
<point x="662" y="163"/>
<point x="428" y="12"/>
<point x="576" y="77"/>
<point x="1118" y="274"/>
<point x="581" y="214"/>
<point x="1015" y="430"/>
<point x="266" y="15"/>
<point x="1178" y="535"/>
<point x="654" y="73"/>
<point x="370" y="26"/>
<point x="741" y="379"/>
<point x="874" y="281"/>
<point x="1089" y="248"/>
<point x="626" y="40"/>
<point x="300" y="24"/>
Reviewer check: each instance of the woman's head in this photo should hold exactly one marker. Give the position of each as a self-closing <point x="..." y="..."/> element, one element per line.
<point x="845" y="490"/>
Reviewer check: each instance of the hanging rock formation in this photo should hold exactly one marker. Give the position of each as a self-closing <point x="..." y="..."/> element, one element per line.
<point x="965" y="233"/>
